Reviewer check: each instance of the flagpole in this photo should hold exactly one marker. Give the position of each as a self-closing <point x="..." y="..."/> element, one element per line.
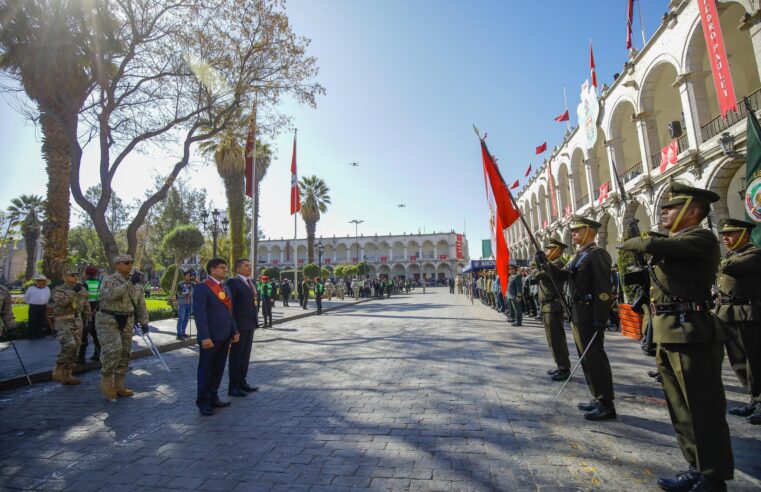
<point x="565" y="102"/>
<point x="295" y="228"/>
<point x="641" y="25"/>
<point x="254" y="227"/>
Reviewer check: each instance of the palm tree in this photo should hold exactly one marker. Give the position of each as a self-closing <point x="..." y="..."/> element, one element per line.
<point x="231" y="166"/>
<point x="314" y="201"/>
<point x="28" y="210"/>
<point x="263" y="159"/>
<point x="47" y="46"/>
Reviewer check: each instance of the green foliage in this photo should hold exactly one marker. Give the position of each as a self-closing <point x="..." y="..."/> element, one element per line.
<point x="271" y="272"/>
<point x="183" y="241"/>
<point x="166" y="280"/>
<point x="625" y="262"/>
<point x="363" y="268"/>
<point x="339" y="271"/>
<point x="311" y="270"/>
<point x="325" y="273"/>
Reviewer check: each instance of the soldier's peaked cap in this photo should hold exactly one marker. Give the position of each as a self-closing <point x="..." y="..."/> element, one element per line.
<point x="735" y="225"/>
<point x="680" y="192"/>
<point x="554" y="243"/>
<point x="123" y="258"/>
<point x="577" y="222"/>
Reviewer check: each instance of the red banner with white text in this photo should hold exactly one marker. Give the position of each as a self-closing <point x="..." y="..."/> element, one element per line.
<point x="458" y="248"/>
<point x="717" y="54"/>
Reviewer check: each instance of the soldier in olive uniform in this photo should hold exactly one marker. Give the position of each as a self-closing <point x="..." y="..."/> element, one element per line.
<point x="689" y="341"/>
<point x="121" y="301"/>
<point x="6" y="313"/>
<point x="739" y="305"/>
<point x="588" y="276"/>
<point x="552" y="312"/>
<point x="71" y="309"/>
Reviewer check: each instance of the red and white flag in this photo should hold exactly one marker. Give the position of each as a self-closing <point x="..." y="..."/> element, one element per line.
<point x="542" y="148"/>
<point x="604" y="192"/>
<point x="592" y="70"/>
<point x="295" y="195"/>
<point x="563" y="117"/>
<point x="669" y="155"/>
<point x="249" y="155"/>
<point x="629" y="21"/>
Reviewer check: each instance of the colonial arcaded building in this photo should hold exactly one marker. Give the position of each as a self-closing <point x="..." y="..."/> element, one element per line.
<point x="436" y="255"/>
<point x="663" y="95"/>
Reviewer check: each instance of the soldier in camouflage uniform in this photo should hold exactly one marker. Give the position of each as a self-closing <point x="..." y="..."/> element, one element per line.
<point x="71" y="310"/>
<point x="121" y="301"/>
<point x="6" y="313"/>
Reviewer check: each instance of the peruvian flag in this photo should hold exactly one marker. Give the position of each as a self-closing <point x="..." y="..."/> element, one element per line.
<point x="604" y="192"/>
<point x="563" y="117"/>
<point x="506" y="213"/>
<point x="514" y="185"/>
<point x="528" y="171"/>
<point x="249" y="154"/>
<point x="629" y="21"/>
<point x="541" y="148"/>
<point x="669" y="155"/>
<point x="592" y="70"/>
<point x="295" y="195"/>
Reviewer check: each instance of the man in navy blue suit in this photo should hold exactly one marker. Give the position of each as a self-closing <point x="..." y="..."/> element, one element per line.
<point x="244" y="295"/>
<point x="213" y="309"/>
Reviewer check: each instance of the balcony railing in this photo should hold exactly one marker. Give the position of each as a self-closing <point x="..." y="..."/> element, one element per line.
<point x="719" y="124"/>
<point x="582" y="201"/>
<point x="683" y="143"/>
<point x="632" y="172"/>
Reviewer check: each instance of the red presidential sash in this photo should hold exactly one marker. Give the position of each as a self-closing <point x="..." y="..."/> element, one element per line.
<point x="219" y="293"/>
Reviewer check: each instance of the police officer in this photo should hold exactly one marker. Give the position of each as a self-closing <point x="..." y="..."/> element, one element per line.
<point x="71" y="311"/>
<point x="266" y="299"/>
<point x="739" y="304"/>
<point x="319" y="289"/>
<point x="552" y="311"/>
<point x="121" y="301"/>
<point x="92" y="284"/>
<point x="689" y="342"/>
<point x="588" y="276"/>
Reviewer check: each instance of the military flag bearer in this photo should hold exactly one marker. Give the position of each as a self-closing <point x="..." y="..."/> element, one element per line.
<point x="552" y="312"/>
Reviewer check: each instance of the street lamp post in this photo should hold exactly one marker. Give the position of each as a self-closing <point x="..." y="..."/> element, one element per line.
<point x="214" y="226"/>
<point x="320" y="250"/>
<point x="356" y="234"/>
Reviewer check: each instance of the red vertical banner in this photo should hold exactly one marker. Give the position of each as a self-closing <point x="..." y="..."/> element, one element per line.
<point x="458" y="248"/>
<point x="717" y="54"/>
<point x="551" y="187"/>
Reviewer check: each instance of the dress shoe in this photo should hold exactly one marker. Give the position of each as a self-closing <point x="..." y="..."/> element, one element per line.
<point x="236" y="392"/>
<point x="755" y="418"/>
<point x="604" y="411"/>
<point x="248" y="389"/>
<point x="178" y="337"/>
<point x="709" y="484"/>
<point x="683" y="482"/>
<point x="745" y="410"/>
<point x="517" y="324"/>
<point x="552" y="372"/>
<point x="205" y="410"/>
<point x="588" y="407"/>
<point x="560" y="375"/>
<point x="220" y="404"/>
<point x="653" y="374"/>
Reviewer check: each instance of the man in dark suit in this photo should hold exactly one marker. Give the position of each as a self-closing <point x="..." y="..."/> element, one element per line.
<point x="246" y="318"/>
<point x="216" y="329"/>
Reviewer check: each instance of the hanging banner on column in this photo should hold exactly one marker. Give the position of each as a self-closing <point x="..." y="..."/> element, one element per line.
<point x="587" y="111"/>
<point x="717" y="54"/>
<point x="458" y="248"/>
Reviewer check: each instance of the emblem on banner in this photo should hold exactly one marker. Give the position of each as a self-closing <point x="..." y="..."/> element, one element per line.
<point x="587" y="111"/>
<point x="753" y="198"/>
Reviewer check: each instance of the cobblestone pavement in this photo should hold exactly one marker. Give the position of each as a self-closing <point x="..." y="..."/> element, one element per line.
<point x="422" y="392"/>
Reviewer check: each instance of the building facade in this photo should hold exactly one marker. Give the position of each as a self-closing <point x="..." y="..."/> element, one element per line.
<point x="436" y="255"/>
<point x="664" y="96"/>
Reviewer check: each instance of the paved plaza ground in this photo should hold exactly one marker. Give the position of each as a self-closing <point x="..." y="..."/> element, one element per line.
<point x="422" y="392"/>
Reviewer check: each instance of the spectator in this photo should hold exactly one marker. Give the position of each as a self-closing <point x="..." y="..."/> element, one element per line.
<point x="37" y="297"/>
<point x="184" y="303"/>
<point x="515" y="294"/>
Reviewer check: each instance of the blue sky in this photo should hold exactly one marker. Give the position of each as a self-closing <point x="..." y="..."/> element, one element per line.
<point x="405" y="81"/>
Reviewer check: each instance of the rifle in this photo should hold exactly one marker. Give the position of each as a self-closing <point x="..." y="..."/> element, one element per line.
<point x="639" y="276"/>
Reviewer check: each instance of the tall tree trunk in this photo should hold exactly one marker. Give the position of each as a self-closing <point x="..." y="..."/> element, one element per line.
<point x="311" y="228"/>
<point x="255" y="230"/>
<point x="30" y="242"/>
<point x="55" y="230"/>
<point x="236" y="211"/>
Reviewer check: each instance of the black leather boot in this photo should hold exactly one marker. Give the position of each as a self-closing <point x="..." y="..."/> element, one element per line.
<point x="683" y="482"/>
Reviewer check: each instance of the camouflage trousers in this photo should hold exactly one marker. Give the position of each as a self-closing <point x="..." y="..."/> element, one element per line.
<point x="69" y="334"/>
<point x="115" y="344"/>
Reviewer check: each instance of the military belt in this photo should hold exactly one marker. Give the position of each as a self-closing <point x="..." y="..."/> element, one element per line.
<point x="115" y="313"/>
<point x="65" y="317"/>
<point x="733" y="301"/>
<point x="679" y="307"/>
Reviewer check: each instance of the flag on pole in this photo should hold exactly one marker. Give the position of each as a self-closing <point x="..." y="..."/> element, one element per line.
<point x="295" y="195"/>
<point x="541" y="148"/>
<point x="629" y="22"/>
<point x="506" y="214"/>
<point x="515" y="185"/>
<point x="249" y="154"/>
<point x="592" y="70"/>
<point x="563" y="117"/>
<point x="753" y="174"/>
<point x="528" y="171"/>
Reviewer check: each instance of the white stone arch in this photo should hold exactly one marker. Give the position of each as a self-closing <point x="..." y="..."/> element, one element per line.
<point x="262" y="253"/>
<point x="384" y="269"/>
<point x="301" y="250"/>
<point x="563" y="186"/>
<point x="371" y="270"/>
<point x="660" y="102"/>
<point x="637" y="208"/>
<point x="443" y="270"/>
<point x="724" y="179"/>
<point x="398" y="270"/>
<point x="428" y="269"/>
<point x="371" y="251"/>
<point x="623" y="137"/>
<point x="342" y="253"/>
<point x="427" y="248"/>
<point x="442" y="248"/>
<point x="599" y="165"/>
<point x="544" y="207"/>
<point x="413" y="270"/>
<point x="579" y="173"/>
<point x="398" y="250"/>
<point x="534" y="213"/>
